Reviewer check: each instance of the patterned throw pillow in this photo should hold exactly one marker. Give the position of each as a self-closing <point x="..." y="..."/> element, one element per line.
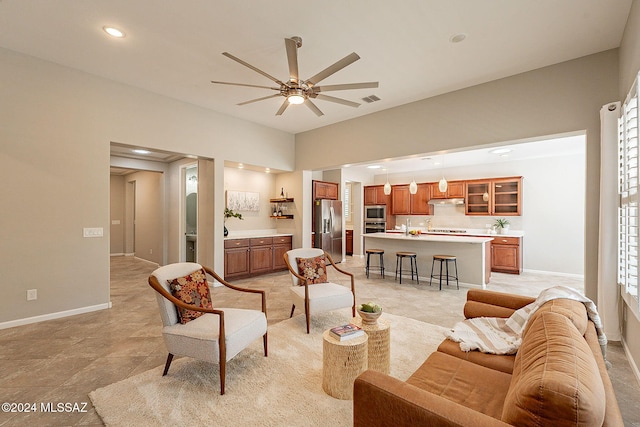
<point x="314" y="270"/>
<point x="191" y="289"/>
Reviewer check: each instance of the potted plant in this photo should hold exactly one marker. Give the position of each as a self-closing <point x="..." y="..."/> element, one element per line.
<point x="502" y="225"/>
<point x="228" y="213"/>
<point x="369" y="313"/>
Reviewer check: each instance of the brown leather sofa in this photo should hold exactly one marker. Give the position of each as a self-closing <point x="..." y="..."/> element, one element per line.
<point x="557" y="378"/>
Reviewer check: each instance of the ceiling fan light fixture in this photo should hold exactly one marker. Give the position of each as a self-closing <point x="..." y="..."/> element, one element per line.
<point x="296" y="96"/>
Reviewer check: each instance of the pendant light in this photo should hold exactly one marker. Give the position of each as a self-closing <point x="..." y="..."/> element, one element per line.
<point x="387" y="186"/>
<point x="442" y="184"/>
<point x="413" y="187"/>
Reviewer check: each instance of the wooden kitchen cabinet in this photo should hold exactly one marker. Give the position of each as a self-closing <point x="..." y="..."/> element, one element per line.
<point x="419" y="202"/>
<point x="349" y="242"/>
<point x="455" y="189"/>
<point x="506" y="255"/>
<point x="498" y="196"/>
<point x="325" y="190"/>
<point x="507" y="195"/>
<point x="236" y="258"/>
<point x="374" y="195"/>
<point x="255" y="256"/>
<point x="400" y="200"/>
<point x="281" y="245"/>
<point x="261" y="255"/>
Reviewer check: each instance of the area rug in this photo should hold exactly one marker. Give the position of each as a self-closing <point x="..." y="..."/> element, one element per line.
<point x="283" y="389"/>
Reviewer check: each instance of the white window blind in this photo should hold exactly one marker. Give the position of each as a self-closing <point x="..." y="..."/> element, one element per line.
<point x="628" y="209"/>
<point x="347" y="202"/>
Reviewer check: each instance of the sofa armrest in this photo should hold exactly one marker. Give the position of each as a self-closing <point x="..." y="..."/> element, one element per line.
<point x="483" y="303"/>
<point x="382" y="400"/>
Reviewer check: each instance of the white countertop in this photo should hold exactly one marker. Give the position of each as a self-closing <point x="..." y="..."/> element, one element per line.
<point x="257" y="235"/>
<point x="468" y="232"/>
<point x="429" y="237"/>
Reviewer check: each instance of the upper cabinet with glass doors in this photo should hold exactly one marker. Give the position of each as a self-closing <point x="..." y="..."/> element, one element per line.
<point x="498" y="196"/>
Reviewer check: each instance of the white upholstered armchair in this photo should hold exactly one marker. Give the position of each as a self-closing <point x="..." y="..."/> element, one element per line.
<point x="317" y="297"/>
<point x="217" y="335"/>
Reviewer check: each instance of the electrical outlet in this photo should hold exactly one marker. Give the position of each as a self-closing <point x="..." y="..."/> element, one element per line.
<point x="32" y="294"/>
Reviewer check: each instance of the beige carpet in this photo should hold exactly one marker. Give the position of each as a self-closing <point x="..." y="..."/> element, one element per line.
<point x="284" y="389"/>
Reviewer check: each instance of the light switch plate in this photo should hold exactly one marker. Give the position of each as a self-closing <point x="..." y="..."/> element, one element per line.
<point x="32" y="294"/>
<point x="93" y="232"/>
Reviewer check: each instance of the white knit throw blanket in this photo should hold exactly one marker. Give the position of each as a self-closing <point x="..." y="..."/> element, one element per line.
<point x="497" y="335"/>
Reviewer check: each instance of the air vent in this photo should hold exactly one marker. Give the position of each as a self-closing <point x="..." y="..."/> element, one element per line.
<point x="371" y="98"/>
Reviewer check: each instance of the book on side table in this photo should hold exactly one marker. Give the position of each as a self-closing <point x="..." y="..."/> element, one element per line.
<point x="345" y="332"/>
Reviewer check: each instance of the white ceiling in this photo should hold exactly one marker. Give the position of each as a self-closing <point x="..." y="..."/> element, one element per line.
<point x="550" y="147"/>
<point x="174" y="47"/>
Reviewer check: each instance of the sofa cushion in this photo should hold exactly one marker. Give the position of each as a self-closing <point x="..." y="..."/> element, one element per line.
<point x="474" y="386"/>
<point x="555" y="377"/>
<point x="571" y="309"/>
<point x="499" y="362"/>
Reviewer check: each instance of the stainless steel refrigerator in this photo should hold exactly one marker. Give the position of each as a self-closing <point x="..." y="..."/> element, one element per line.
<point x="328" y="217"/>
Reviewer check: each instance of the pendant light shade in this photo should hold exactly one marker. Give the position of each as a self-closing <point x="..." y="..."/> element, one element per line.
<point x="387" y="186"/>
<point x="442" y="185"/>
<point x="413" y="187"/>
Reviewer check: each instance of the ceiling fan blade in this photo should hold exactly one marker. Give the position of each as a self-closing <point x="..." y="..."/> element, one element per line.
<point x="283" y="107"/>
<point x="244" y="84"/>
<point x="292" y="57"/>
<point x="337" y="100"/>
<point x="275" y="95"/>
<point x="327" y="88"/>
<point x="257" y="70"/>
<point x="313" y="107"/>
<point x="347" y="60"/>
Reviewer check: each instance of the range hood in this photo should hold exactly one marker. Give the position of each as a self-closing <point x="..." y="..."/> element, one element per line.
<point x="457" y="202"/>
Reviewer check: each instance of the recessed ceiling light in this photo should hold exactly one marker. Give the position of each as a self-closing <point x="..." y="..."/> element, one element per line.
<point x="457" y="38"/>
<point x="141" y="151"/>
<point x="373" y="167"/>
<point x="240" y="166"/>
<point x="501" y="151"/>
<point x="114" y="32"/>
<point x="267" y="170"/>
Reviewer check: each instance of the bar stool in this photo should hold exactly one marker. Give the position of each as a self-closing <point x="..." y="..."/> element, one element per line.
<point x="446" y="259"/>
<point x="413" y="261"/>
<point x="380" y="265"/>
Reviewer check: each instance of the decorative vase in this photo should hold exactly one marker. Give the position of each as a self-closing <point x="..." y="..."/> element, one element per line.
<point x="369" y="318"/>
<point x="226" y="232"/>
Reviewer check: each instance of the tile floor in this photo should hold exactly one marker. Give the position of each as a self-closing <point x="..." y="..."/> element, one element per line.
<point x="62" y="360"/>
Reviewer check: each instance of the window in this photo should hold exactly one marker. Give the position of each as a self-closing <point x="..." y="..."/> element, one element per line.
<point x="628" y="209"/>
<point x="347" y="204"/>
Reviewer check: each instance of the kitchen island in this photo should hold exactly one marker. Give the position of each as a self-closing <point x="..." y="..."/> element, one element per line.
<point x="473" y="253"/>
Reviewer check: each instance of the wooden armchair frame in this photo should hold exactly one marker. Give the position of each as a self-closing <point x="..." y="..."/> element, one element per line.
<point x="153" y="282"/>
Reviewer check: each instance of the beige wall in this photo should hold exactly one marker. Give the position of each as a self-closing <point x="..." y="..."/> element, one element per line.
<point x="56" y="131"/>
<point x="553" y="100"/>
<point x="149" y="215"/>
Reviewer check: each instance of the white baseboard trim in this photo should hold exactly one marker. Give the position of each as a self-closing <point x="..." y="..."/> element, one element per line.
<point x="51" y="316"/>
<point x="118" y="254"/>
<point x="632" y="363"/>
<point x="145" y="260"/>
<point x="554" y="273"/>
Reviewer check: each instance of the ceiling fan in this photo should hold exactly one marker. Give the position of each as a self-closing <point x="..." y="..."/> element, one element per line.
<point x="298" y="91"/>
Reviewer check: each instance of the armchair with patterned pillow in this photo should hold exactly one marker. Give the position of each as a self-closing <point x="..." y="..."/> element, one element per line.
<point x="311" y="288"/>
<point x="192" y="327"/>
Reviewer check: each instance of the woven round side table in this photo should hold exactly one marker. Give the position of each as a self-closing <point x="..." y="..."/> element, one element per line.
<point x="379" y="357"/>
<point x="342" y="362"/>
